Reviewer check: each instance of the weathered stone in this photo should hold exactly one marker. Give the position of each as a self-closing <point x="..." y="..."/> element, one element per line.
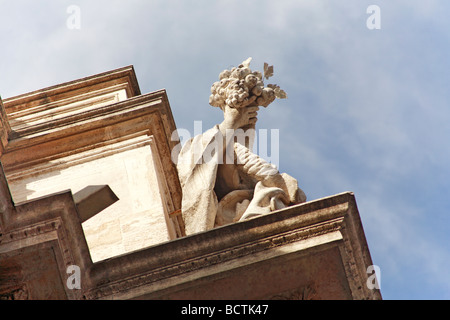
<point x="312" y="250"/>
<point x="235" y="183"/>
<point x="99" y="130"/>
<point x="92" y="200"/>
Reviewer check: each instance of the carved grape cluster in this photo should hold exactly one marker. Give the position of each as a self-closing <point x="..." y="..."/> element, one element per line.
<point x="237" y="86"/>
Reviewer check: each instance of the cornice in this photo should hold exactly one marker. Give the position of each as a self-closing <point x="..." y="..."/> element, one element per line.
<point x="316" y="225"/>
<point x="75" y="87"/>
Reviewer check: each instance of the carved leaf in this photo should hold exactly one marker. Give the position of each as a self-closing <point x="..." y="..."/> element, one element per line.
<point x="268" y="70"/>
<point x="246" y="63"/>
<point x="279" y="93"/>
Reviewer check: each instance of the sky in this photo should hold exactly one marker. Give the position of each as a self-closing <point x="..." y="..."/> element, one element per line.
<point x="367" y="108"/>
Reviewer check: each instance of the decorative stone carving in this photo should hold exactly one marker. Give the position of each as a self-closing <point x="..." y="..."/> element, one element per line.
<point x="319" y="243"/>
<point x="17" y="293"/>
<point x="222" y="180"/>
<point x="307" y="292"/>
<point x="98" y="130"/>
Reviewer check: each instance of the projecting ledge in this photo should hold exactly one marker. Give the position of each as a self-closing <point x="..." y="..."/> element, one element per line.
<point x="316" y="250"/>
<point x="92" y="200"/>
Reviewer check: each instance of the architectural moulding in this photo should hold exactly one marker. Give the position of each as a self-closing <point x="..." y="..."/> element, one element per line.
<point x="64" y="137"/>
<point x="317" y="247"/>
<point x="87" y="180"/>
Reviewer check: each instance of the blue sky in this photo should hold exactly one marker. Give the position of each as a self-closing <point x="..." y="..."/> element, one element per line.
<point x="367" y="110"/>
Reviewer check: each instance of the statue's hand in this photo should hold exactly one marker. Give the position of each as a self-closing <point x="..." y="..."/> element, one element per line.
<point x="235" y="118"/>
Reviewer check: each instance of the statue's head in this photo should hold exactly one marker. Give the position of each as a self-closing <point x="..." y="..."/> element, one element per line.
<point x="236" y="86"/>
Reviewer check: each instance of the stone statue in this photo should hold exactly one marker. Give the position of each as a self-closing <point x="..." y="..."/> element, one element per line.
<point x="222" y="180"/>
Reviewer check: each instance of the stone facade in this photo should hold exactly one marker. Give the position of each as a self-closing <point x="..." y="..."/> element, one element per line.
<point x="87" y="180"/>
<point x="98" y="131"/>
